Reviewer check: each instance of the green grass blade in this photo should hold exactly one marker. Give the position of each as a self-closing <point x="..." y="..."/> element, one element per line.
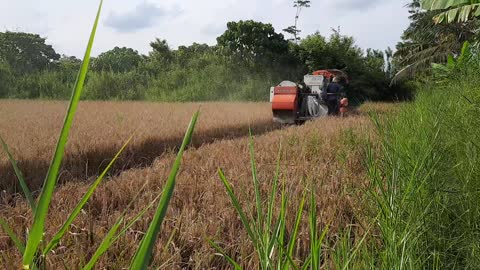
<point x="321" y="239"/>
<point x="136" y="218"/>
<point x="8" y="230"/>
<point x="274" y="241"/>
<point x="315" y="260"/>
<point x="37" y="230"/>
<point x="258" y="198"/>
<point x="357" y="248"/>
<point x="228" y="258"/>
<point x="283" y="230"/>
<point x="274" y="189"/>
<point x="286" y="261"/>
<point x="307" y="263"/>
<point x="20" y="177"/>
<point x="56" y="239"/>
<point x="298" y="219"/>
<point x="238" y="208"/>
<point x="143" y="255"/>
<point x="112" y="236"/>
<point x="105" y="245"/>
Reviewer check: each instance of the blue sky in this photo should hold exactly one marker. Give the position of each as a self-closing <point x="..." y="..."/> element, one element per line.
<point x="134" y="23"/>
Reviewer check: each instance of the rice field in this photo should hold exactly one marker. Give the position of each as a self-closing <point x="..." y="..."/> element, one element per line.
<point x="326" y="155"/>
<point x="31" y="129"/>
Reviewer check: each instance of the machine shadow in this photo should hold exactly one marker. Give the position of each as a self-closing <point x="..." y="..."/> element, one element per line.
<point x="83" y="166"/>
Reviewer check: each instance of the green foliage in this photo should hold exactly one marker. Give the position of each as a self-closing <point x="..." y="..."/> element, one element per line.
<point x="253" y="41"/>
<point x="425" y="42"/>
<point x="454" y="66"/>
<point x="274" y="242"/>
<point x="6" y="79"/>
<point x="369" y="73"/>
<point x="19" y="174"/>
<point x="249" y="58"/>
<point x="108" y="85"/>
<point x="425" y="183"/>
<point x="36" y="232"/>
<point x="161" y="56"/>
<point x="266" y="232"/>
<point x="143" y="256"/>
<point x="453" y="10"/>
<point x="25" y="52"/>
<point x="117" y="60"/>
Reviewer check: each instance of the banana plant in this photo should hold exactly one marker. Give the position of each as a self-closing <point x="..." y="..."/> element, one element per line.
<point x="454" y="65"/>
<point x="453" y="10"/>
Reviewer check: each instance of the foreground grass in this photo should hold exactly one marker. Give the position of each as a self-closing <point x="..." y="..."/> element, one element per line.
<point x="36" y="247"/>
<point x="426" y="184"/>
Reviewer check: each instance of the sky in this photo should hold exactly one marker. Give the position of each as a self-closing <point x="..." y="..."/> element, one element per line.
<point x="374" y="24"/>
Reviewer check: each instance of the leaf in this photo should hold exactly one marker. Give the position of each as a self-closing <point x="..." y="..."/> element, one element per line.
<point x="298" y="219"/>
<point x="105" y="245"/>
<point x="461" y="11"/>
<point x="143" y="255"/>
<point x="258" y="199"/>
<point x="21" y="179"/>
<point x="8" y="230"/>
<point x="112" y="235"/>
<point x="37" y="230"/>
<point x="238" y="208"/>
<point x="228" y="258"/>
<point x="58" y="236"/>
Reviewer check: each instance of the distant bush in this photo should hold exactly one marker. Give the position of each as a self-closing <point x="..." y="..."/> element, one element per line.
<point x="427" y="176"/>
<point x="107" y="85"/>
<point x="234" y="69"/>
<point x="6" y="80"/>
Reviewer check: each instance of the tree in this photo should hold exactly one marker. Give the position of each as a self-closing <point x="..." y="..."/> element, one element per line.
<point x="25" y="52"/>
<point x="367" y="74"/>
<point x="425" y="42"/>
<point x="185" y="54"/>
<point x="253" y="41"/>
<point x="6" y="79"/>
<point x="453" y="10"/>
<point x="117" y="60"/>
<point x="293" y="30"/>
<point x="338" y="52"/>
<point x="161" y="51"/>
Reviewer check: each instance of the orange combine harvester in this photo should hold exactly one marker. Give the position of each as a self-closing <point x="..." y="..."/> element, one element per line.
<point x="294" y="103"/>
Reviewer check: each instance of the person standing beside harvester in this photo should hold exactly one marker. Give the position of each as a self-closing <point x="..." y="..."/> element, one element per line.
<point x="333" y="96"/>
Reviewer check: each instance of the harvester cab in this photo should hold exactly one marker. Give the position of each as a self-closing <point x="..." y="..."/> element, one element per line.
<point x="294" y="103"/>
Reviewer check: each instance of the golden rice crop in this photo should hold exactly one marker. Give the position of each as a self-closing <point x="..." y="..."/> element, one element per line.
<point x="30" y="128"/>
<point x="327" y="154"/>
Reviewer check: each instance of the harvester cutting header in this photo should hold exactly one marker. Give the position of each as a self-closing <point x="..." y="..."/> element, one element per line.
<point x="319" y="95"/>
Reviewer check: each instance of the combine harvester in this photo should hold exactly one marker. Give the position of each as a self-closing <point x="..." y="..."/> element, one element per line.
<point x="296" y="103"/>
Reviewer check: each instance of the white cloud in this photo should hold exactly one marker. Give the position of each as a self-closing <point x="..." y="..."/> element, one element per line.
<point x="144" y="15"/>
<point x="134" y="23"/>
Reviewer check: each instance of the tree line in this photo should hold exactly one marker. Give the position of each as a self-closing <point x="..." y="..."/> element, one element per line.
<point x="248" y="58"/>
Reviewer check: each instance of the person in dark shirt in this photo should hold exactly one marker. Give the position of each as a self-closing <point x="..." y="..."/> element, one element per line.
<point x="334" y="93"/>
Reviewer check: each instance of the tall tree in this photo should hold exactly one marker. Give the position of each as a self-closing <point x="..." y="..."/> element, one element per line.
<point x="161" y="52"/>
<point x="117" y="60"/>
<point x="293" y="30"/>
<point x="25" y="52"/>
<point x="368" y="78"/>
<point x="253" y="41"/>
<point x="425" y="42"/>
